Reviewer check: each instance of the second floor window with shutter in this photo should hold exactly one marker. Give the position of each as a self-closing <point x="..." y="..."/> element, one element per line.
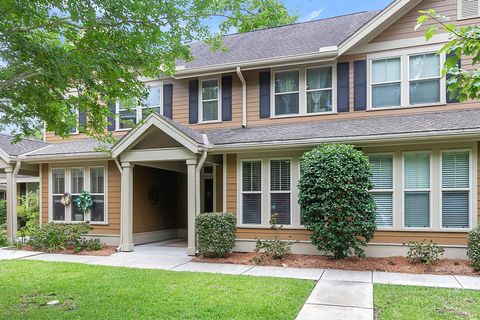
<point x="210" y="100"/>
<point x="153" y="102"/>
<point x="286" y="93"/>
<point x="417" y="190"/>
<point x="252" y="192"/>
<point x="280" y="190"/>
<point x="127" y="114"/>
<point x="319" y="90"/>
<point x="382" y="178"/>
<point x="455" y="189"/>
<point x="424" y="79"/>
<point x="386" y="83"/>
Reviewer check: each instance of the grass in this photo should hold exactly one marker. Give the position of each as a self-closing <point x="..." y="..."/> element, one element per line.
<point x="98" y="292"/>
<point x="420" y="303"/>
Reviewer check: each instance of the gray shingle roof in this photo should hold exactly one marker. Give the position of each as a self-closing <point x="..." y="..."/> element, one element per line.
<point x="71" y="147"/>
<point x="426" y="124"/>
<point x="192" y="134"/>
<point x="290" y="40"/>
<point x="21" y="147"/>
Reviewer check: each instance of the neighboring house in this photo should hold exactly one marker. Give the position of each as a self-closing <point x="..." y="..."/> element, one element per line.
<point x="231" y="128"/>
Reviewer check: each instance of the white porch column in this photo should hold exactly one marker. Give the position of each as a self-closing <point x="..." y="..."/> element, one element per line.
<point x="191" y="194"/>
<point x="126" y="207"/>
<point x="11" y="198"/>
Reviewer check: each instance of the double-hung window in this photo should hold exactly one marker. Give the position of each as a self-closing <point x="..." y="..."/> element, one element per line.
<point x="252" y="192"/>
<point x="382" y="178"/>
<point x="280" y="190"/>
<point x="153" y="103"/>
<point x="131" y="111"/>
<point x="58" y="188"/>
<point x="455" y="189"/>
<point x="97" y="190"/>
<point x="386" y="83"/>
<point x="424" y="78"/>
<point x="417" y="189"/>
<point x="77" y="183"/>
<point x="210" y="100"/>
<point x="127" y="114"/>
<point x="319" y="90"/>
<point x="286" y="94"/>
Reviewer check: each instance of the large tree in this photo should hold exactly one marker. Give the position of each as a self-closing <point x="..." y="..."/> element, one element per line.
<point x="98" y="49"/>
<point x="464" y="41"/>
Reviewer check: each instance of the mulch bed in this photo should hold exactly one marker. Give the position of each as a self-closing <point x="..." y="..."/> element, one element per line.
<point x="106" y="251"/>
<point x="390" y="264"/>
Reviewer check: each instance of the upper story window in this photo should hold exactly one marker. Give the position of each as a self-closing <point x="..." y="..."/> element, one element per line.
<point x="307" y="90"/>
<point x="409" y="79"/>
<point x="468" y="9"/>
<point x="210" y="106"/>
<point x="130" y="112"/>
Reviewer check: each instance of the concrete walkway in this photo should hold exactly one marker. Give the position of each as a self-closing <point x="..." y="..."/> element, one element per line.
<point x="338" y="294"/>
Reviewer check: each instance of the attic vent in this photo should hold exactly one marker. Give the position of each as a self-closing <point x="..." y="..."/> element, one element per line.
<point x="469" y="8"/>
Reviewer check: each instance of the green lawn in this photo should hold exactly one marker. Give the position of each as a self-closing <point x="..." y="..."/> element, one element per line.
<point x="97" y="292"/>
<point x="419" y="303"/>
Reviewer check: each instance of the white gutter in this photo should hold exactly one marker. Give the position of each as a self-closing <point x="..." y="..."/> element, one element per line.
<point x="17" y="168"/>
<point x="244" y="97"/>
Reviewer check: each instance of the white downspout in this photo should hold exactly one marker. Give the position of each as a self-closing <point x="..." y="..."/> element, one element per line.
<point x="244" y="97"/>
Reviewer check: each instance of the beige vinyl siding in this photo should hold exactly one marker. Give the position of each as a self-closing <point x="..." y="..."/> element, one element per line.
<point x="232" y="183"/>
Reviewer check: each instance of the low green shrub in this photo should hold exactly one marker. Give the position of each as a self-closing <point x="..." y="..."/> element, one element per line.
<point x="3" y="214"/>
<point x="273" y="248"/>
<point x="216" y="233"/>
<point x="88" y="244"/>
<point x="56" y="237"/>
<point x="473" y="248"/>
<point x="28" y="212"/>
<point x="424" y="252"/>
<point x="3" y="240"/>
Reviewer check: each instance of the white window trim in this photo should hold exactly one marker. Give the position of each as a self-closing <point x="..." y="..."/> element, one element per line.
<point x="469" y="189"/>
<point x="82" y="169"/>
<point x="270" y="192"/>
<point x="430" y="190"/>
<point x="105" y="192"/>
<point x="200" y="100"/>
<point x="77" y="127"/>
<point x="460" y="9"/>
<point x="241" y="193"/>
<point x="86" y="183"/>
<point x="392" y="154"/>
<point x="139" y="108"/>
<point x="404" y="75"/>
<point x="302" y="91"/>
<point x="371" y="84"/>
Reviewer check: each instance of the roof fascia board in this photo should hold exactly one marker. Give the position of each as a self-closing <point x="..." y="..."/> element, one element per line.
<point x="380" y="22"/>
<point x="136" y="134"/>
<point x="66" y="157"/>
<point x="5" y="156"/>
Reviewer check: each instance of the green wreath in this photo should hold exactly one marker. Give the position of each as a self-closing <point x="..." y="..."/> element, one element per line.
<point x="84" y="201"/>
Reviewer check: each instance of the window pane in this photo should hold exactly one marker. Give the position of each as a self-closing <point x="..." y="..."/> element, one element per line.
<point x="58" y="209"/>
<point x="417" y="209"/>
<point x="280" y="175"/>
<point x="286" y="104"/>
<point x="58" y="181"/>
<point x="77" y="215"/>
<point x="280" y="204"/>
<point x="209" y="89"/>
<point x="382" y="171"/>
<point x="319" y="101"/>
<point x="386" y="70"/>
<point x="286" y="81"/>
<point x="127" y="119"/>
<point x="252" y="179"/>
<point x="455" y="209"/>
<point x="210" y="111"/>
<point x="456" y="169"/>
<point x="424" y="66"/>
<point x="76" y="177"/>
<point x="319" y="78"/>
<point x="97" y="180"/>
<point x="252" y="208"/>
<point x="417" y="171"/>
<point x="148" y="111"/>
<point x="425" y="91"/>
<point x="153" y="98"/>
<point x="98" y="210"/>
<point x="386" y="95"/>
<point x="384" y="203"/>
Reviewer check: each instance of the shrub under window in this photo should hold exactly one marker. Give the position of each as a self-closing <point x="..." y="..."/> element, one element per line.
<point x="336" y="204"/>
<point x="216" y="233"/>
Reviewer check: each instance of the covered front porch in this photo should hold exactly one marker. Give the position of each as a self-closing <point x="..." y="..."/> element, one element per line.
<point x="166" y="181"/>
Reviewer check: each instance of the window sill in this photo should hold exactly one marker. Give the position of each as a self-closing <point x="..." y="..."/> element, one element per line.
<point x="297" y="115"/>
<point x="209" y="122"/>
<point x="123" y="129"/>
<point x="370" y="109"/>
<point x="257" y="226"/>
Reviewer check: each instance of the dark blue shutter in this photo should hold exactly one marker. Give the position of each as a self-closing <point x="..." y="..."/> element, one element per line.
<point x="459" y="64"/>
<point x="111" y="117"/>
<point x="226" y="98"/>
<point x="265" y="94"/>
<point x="360" y="85"/>
<point x="82" y="121"/>
<point x="193" y="101"/>
<point x="343" y="99"/>
<point x="168" y="100"/>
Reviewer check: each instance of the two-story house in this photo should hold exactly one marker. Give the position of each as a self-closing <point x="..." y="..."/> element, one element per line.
<point x="231" y="126"/>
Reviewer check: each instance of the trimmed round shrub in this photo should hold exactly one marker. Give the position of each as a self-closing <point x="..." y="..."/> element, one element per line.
<point x="216" y="233"/>
<point x="473" y="248"/>
<point x="334" y="195"/>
